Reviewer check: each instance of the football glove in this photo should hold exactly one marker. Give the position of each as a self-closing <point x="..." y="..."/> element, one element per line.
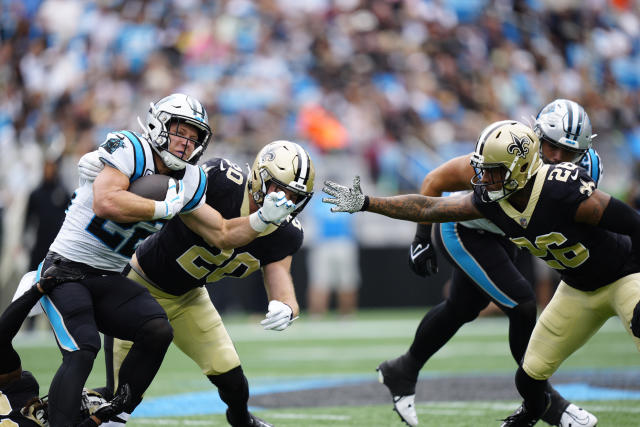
<point x="279" y="316"/>
<point x="635" y="321"/>
<point x="172" y="203"/>
<point x="344" y="198"/>
<point x="422" y="257"/>
<point x="275" y="209"/>
<point x="90" y="166"/>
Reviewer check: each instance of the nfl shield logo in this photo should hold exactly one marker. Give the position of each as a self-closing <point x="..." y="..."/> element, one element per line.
<point x="523" y="222"/>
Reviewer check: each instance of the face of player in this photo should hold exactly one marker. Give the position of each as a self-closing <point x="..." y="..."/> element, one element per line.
<point x="288" y="193"/>
<point x="553" y="154"/>
<point x="182" y="139"/>
<point x="493" y="178"/>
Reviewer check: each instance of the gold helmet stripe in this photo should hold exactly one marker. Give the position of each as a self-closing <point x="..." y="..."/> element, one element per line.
<point x="487" y="132"/>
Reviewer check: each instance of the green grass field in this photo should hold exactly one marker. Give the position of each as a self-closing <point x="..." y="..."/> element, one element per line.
<point x="336" y="348"/>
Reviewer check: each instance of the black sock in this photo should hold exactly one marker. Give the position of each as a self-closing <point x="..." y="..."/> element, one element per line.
<point x="534" y="392"/>
<point x="557" y="407"/>
<point x="233" y="389"/>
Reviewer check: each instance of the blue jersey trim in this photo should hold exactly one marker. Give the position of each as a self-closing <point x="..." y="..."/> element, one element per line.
<point x="138" y="151"/>
<point x="595" y="165"/>
<point x="65" y="339"/>
<point x="468" y="264"/>
<point x="199" y="192"/>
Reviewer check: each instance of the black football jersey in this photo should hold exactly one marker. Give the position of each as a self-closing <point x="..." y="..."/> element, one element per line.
<point x="586" y="257"/>
<point x="176" y="259"/>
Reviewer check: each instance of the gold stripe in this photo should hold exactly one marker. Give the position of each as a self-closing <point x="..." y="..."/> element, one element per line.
<point x="524" y="218"/>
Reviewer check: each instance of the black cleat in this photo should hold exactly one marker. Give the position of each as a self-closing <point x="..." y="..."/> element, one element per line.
<point x="250" y="421"/>
<point x="402" y="386"/>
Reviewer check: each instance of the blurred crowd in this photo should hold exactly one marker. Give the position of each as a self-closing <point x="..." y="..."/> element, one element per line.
<point x="399" y="86"/>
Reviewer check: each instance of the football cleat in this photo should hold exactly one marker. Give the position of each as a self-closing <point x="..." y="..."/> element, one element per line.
<point x="250" y="421"/>
<point x="520" y="418"/>
<point x="402" y="387"/>
<point x="574" y="416"/>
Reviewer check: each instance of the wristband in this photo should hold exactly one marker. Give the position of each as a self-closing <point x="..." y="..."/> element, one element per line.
<point x="161" y="210"/>
<point x="257" y="223"/>
<point x="423" y="231"/>
<point x="365" y="204"/>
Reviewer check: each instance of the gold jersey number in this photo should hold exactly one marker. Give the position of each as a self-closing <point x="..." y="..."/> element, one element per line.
<point x="567" y="257"/>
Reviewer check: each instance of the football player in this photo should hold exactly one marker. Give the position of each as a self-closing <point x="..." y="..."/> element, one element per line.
<point x="102" y="228"/>
<point x="483" y="265"/>
<point x="176" y="263"/>
<point x="554" y="211"/>
<point x="19" y="401"/>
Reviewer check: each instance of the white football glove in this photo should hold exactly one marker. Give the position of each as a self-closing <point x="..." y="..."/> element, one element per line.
<point x="279" y="316"/>
<point x="275" y="209"/>
<point x="344" y="198"/>
<point x="172" y="203"/>
<point x="90" y="166"/>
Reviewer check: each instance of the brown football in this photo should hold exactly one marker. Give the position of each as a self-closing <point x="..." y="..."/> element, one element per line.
<point x="152" y="187"/>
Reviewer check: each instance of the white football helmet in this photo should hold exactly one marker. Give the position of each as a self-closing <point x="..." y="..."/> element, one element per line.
<point x="286" y="164"/>
<point x="508" y="145"/>
<point x="183" y="109"/>
<point x="565" y="124"/>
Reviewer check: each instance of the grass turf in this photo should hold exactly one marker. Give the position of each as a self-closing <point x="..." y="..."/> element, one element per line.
<point x="335" y="347"/>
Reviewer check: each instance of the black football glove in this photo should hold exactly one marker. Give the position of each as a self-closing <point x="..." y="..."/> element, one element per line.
<point x="635" y="321"/>
<point x="57" y="274"/>
<point x="422" y="256"/>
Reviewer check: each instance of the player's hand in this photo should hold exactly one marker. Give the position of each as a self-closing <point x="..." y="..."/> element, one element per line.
<point x="422" y="256"/>
<point x="275" y="209"/>
<point x="57" y="274"/>
<point x="344" y="198"/>
<point x="279" y="316"/>
<point x="172" y="203"/>
<point x="635" y="321"/>
<point x="90" y="166"/>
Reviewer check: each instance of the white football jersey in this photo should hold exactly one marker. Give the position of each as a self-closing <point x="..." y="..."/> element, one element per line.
<point x="107" y="245"/>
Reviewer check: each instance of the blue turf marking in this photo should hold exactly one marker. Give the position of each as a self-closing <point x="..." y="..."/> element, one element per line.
<point x="208" y="402"/>
<point x="583" y="391"/>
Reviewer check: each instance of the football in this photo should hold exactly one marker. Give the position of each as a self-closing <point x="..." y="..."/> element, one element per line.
<point x="151" y="186"/>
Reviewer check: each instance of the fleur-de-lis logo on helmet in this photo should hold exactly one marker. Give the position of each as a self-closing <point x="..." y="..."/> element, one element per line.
<point x="519" y="146"/>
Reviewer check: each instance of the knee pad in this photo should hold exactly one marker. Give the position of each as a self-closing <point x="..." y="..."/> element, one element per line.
<point x="156" y="333"/>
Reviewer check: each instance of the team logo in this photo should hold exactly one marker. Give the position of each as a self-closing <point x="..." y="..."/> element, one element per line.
<point x="519" y="146"/>
<point x="269" y="156"/>
<point x="587" y="187"/>
<point x="112" y="144"/>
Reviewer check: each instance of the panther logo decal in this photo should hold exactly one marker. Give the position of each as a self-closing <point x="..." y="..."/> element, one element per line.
<point x="519" y="146"/>
<point x="112" y="144"/>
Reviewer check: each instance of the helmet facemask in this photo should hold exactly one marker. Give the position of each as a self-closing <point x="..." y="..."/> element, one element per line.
<point x="177" y="110"/>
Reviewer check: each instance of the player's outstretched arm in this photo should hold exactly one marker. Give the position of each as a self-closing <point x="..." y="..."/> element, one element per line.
<point x="410" y="207"/>
<point x="283" y="305"/>
<point x="232" y="233"/>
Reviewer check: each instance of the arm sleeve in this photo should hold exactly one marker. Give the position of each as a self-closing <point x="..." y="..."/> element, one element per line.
<point x="622" y="219"/>
<point x="10" y="323"/>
